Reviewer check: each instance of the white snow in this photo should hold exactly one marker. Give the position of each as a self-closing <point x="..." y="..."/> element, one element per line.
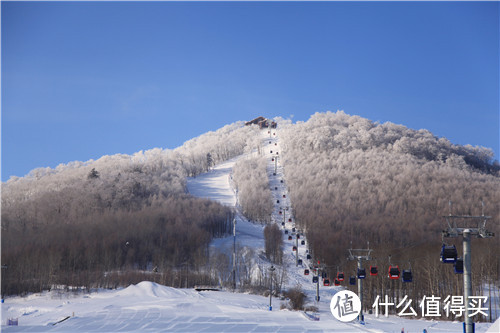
<point x="215" y="184"/>
<point x="151" y="307"/>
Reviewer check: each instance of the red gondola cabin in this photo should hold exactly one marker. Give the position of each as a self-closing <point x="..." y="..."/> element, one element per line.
<point x="394" y="272"/>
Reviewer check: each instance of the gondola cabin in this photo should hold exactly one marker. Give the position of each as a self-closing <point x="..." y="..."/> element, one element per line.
<point x="286" y="232"/>
<point x="293" y="229"/>
<point x="361" y="273"/>
<point x="271" y="151"/>
<point x="298" y="236"/>
<point x="394" y="272"/>
<point x="373" y="270"/>
<point x="352" y="280"/>
<point x="272" y="159"/>
<point x="290" y="237"/>
<point x="280" y="212"/>
<point x="283" y="223"/>
<point x="448" y="254"/>
<point x="289" y="220"/>
<point x="308" y="256"/>
<point x="299" y="261"/>
<point x="294" y="248"/>
<point x="336" y="282"/>
<point x="275" y="144"/>
<point x="315" y="279"/>
<point x="324" y="275"/>
<point x="284" y="196"/>
<point x="459" y="266"/>
<point x="306" y="271"/>
<point x="326" y="282"/>
<point x="276" y="187"/>
<point x="302" y="242"/>
<point x="281" y="181"/>
<point x="340" y="276"/>
<point x="277" y="201"/>
<point x="407" y="275"/>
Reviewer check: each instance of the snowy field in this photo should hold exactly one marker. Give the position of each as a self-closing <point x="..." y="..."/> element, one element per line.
<point x="149" y="307"/>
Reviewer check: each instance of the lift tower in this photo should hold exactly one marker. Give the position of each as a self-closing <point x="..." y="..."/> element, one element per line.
<point x="359" y="255"/>
<point x="467" y="226"/>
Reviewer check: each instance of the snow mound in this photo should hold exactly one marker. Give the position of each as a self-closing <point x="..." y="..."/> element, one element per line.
<point x="495" y="327"/>
<point x="150" y="289"/>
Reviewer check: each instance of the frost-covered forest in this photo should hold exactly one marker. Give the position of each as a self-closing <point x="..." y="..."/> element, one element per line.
<point x="353" y="180"/>
<point x="352" y="173"/>
<point x="254" y="194"/>
<point x="124" y="218"/>
<point x="70" y="224"/>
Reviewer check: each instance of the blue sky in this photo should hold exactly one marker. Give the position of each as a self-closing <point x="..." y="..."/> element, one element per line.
<point x="86" y="79"/>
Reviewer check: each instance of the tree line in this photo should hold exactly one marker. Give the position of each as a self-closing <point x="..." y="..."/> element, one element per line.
<point x="252" y="185"/>
<point x="84" y="223"/>
<point x="353" y="180"/>
<point x="165" y="236"/>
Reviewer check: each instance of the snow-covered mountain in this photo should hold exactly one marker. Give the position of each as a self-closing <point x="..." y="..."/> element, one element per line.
<point x="334" y="179"/>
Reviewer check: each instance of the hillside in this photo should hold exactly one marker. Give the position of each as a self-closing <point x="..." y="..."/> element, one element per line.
<point x="72" y="224"/>
<point x="150" y="307"/>
<point x="337" y="178"/>
<point x="357" y="184"/>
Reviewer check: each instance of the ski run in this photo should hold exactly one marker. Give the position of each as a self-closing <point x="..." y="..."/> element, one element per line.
<point x="150" y="307"/>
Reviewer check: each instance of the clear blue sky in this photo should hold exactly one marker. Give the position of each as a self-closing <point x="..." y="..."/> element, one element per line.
<point x="86" y="79"/>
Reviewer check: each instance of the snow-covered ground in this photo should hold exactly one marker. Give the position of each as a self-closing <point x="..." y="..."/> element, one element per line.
<point x="148" y="306"/>
<point x="217" y="185"/>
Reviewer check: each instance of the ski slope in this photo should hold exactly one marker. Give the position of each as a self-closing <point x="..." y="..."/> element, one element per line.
<point x="219" y="180"/>
<point x="149" y="307"/>
<point x="216" y="185"/>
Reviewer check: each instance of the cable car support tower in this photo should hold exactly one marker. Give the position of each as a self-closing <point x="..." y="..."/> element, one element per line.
<point x="359" y="255"/>
<point x="467" y="226"/>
